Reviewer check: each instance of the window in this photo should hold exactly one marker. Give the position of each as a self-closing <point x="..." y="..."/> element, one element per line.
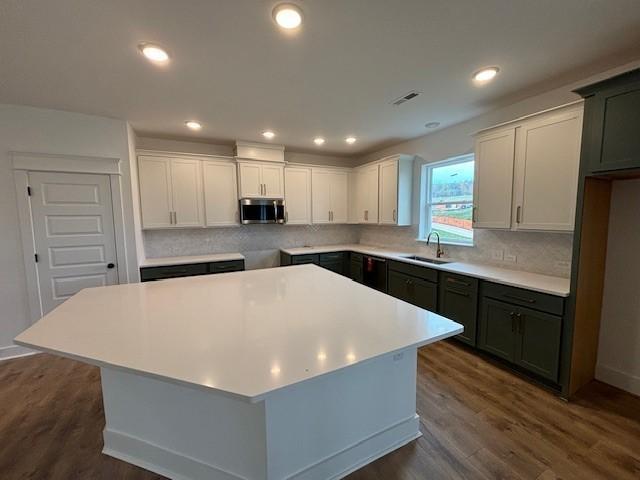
<point x="447" y="200"/>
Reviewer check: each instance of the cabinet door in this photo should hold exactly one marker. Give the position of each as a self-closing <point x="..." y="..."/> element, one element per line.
<point x="297" y="198"/>
<point x="339" y="197"/>
<point x="155" y="191"/>
<point x="321" y="196"/>
<point x="615" y="143"/>
<point x="538" y="347"/>
<point x="497" y="325"/>
<point x="250" y="180"/>
<point x="493" y="182"/>
<point x="355" y="270"/>
<point x="367" y="194"/>
<point x="388" y="201"/>
<point x="186" y="192"/>
<point x="546" y="176"/>
<point x="460" y="305"/>
<point x="220" y="194"/>
<point x="273" y="181"/>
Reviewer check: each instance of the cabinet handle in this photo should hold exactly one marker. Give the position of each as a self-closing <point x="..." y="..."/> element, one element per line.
<point x="459" y="282"/>
<point x="520" y="323"/>
<point x="513" y="321"/>
<point x="175" y="218"/>
<point x="394" y="214"/>
<point x="286" y="217"/>
<point x="462" y="294"/>
<point x="170" y="218"/>
<point x="473" y="214"/>
<point x="518" y="210"/>
<point x="518" y="298"/>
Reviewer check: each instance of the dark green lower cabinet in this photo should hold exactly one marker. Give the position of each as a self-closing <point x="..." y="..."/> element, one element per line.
<point x="355" y="269"/>
<point x="414" y="290"/>
<point x="497" y="329"/>
<point x="539" y="342"/>
<point x="525" y="337"/>
<point x="459" y="302"/>
<point x="334" y="261"/>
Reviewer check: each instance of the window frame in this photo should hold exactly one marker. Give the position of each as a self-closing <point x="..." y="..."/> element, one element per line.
<point x="425" y="197"/>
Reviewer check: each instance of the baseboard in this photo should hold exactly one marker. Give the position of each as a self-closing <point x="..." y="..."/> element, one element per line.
<point x="160" y="460"/>
<point x="622" y="380"/>
<point x="14" y="351"/>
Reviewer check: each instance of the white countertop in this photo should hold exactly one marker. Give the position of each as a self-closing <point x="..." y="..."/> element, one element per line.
<point x="532" y="281"/>
<point x="245" y="333"/>
<point x="165" y="261"/>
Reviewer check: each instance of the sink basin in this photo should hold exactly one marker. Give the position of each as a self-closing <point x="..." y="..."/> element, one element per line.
<point x="426" y="260"/>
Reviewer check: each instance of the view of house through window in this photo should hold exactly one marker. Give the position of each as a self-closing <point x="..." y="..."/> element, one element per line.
<point x="448" y="200"/>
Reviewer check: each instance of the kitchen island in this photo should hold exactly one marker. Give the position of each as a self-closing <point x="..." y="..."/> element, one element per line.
<point x="266" y="374"/>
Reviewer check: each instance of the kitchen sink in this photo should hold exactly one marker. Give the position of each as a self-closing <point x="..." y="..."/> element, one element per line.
<point x="426" y="260"/>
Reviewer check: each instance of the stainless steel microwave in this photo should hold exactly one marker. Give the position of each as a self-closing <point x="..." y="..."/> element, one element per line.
<point x="262" y="210"/>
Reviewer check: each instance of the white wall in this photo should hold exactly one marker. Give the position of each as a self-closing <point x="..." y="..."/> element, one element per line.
<point x="27" y="129"/>
<point x="619" y="347"/>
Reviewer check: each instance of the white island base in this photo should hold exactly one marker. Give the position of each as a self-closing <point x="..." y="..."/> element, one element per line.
<point x="322" y="428"/>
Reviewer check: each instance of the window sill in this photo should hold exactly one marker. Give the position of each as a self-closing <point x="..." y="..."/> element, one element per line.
<point x="442" y="242"/>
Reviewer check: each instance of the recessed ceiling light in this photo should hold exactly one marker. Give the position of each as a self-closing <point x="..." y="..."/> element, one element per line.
<point x="193" y="125"/>
<point x="350" y="140"/>
<point x="268" y="134"/>
<point x="154" y="53"/>
<point x="485" y="74"/>
<point x="318" y="141"/>
<point x="432" y="125"/>
<point x="287" y="15"/>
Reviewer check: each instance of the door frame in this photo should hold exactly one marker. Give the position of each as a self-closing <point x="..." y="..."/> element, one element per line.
<point x="23" y="164"/>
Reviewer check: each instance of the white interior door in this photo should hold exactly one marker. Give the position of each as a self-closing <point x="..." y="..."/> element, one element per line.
<point x="389" y="192"/>
<point x="297" y="200"/>
<point x="220" y="193"/>
<point x="74" y="234"/>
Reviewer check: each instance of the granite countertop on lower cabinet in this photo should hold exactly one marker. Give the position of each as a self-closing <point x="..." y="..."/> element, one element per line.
<point x="190" y="259"/>
<point x="551" y="285"/>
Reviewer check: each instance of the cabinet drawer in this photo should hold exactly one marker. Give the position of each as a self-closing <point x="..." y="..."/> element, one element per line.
<point x="228" y="266"/>
<point x="332" y="257"/>
<point x="414" y="270"/>
<point x="525" y="298"/>
<point x="356" y="257"/>
<point x="414" y="290"/>
<point x="173" y="271"/>
<point x="458" y="282"/>
<point x="300" y="259"/>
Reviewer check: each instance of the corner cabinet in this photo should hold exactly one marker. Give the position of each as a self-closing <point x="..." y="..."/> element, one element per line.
<point x="395" y="192"/>
<point x="527" y="172"/>
<point x="261" y="179"/>
<point x="297" y="195"/>
<point x="170" y="192"/>
<point x="330" y="195"/>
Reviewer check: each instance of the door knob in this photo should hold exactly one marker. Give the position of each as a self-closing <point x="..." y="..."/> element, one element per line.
<point x="111" y="265"/>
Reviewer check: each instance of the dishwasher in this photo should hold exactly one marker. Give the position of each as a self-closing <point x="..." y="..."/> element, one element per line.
<point x="374" y="272"/>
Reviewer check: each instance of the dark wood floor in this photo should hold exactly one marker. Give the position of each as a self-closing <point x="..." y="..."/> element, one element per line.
<point x="479" y="422"/>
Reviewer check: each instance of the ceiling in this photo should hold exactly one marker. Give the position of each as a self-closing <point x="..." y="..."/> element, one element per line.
<point x="237" y="73"/>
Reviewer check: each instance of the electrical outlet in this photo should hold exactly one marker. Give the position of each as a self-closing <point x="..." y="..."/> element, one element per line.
<point x="497" y="254"/>
<point x="510" y="257"/>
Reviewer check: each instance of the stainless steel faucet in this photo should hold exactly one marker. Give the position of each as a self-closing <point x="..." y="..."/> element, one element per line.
<point x="439" y="251"/>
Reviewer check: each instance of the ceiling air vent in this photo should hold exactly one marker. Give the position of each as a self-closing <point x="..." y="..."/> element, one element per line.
<point x="405" y="98"/>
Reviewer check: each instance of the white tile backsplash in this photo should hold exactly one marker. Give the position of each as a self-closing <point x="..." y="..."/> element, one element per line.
<point x="546" y="253"/>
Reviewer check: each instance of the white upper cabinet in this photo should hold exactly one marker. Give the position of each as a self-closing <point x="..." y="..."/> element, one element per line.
<point x="396" y="184"/>
<point x="493" y="182"/>
<point x="366" y="196"/>
<point x="330" y="196"/>
<point x="220" y="193"/>
<point x="546" y="171"/>
<point x="261" y="180"/>
<point x="527" y="172"/>
<point x="297" y="195"/>
<point x="170" y="192"/>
